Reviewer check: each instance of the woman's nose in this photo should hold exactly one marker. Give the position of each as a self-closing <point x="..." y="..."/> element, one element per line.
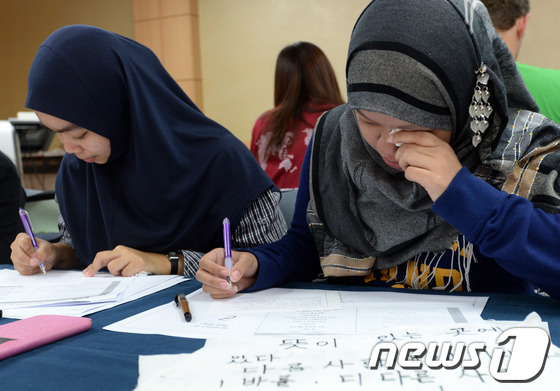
<point x="69" y="146"/>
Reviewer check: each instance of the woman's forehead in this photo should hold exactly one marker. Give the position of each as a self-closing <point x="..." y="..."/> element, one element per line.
<point x="55" y="124"/>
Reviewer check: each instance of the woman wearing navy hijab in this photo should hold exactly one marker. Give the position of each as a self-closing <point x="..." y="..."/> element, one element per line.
<point x="147" y="178"/>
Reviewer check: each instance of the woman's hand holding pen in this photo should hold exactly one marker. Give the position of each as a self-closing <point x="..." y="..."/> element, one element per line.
<point x="26" y="260"/>
<point x="213" y="274"/>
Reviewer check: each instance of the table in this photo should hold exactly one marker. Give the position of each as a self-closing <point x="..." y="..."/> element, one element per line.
<point x="105" y="360"/>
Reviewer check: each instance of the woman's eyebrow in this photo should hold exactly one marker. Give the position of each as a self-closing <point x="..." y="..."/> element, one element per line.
<point x="364" y="116"/>
<point x="66" y="128"/>
<point x="401" y="126"/>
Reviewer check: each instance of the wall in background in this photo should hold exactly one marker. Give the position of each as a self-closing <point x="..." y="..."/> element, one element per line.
<point x="540" y="46"/>
<point x="170" y="29"/>
<point x="26" y="24"/>
<point x="239" y="42"/>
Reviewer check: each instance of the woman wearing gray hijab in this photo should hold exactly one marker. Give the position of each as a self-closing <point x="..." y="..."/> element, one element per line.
<point x="439" y="173"/>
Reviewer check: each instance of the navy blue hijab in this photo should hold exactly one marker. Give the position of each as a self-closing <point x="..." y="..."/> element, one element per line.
<point x="173" y="174"/>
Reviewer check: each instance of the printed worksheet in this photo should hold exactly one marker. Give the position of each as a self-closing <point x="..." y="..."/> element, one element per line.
<point x="301" y="311"/>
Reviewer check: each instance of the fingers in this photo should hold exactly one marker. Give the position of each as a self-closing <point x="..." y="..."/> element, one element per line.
<point x="213" y="275"/>
<point x="434" y="170"/>
<point x="421" y="137"/>
<point x="25" y="259"/>
<point x="23" y="241"/>
<point x="213" y="263"/>
<point x="245" y="267"/>
<point x="418" y="149"/>
<point x="430" y="162"/>
<point x="413" y="156"/>
<point x="125" y="261"/>
<point x="45" y="253"/>
<point x="101" y="260"/>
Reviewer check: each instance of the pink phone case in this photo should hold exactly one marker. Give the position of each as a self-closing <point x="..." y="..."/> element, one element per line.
<point x="26" y="334"/>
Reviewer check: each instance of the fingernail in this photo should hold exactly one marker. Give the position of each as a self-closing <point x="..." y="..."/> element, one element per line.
<point x="235" y="275"/>
<point x="224" y="285"/>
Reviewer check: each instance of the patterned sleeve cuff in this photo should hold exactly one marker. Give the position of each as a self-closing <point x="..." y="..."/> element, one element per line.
<point x="65" y="235"/>
<point x="192" y="259"/>
<point x="262" y="223"/>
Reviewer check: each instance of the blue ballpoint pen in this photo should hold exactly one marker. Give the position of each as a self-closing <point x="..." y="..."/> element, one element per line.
<point x="228" y="262"/>
<point x="27" y="225"/>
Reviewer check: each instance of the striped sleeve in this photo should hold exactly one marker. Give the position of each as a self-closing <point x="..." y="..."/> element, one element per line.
<point x="262" y="223"/>
<point x="65" y="238"/>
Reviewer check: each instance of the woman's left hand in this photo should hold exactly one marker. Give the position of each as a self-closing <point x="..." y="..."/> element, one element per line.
<point x="126" y="261"/>
<point x="427" y="160"/>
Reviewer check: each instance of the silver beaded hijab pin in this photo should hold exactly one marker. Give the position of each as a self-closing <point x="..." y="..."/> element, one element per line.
<point x="480" y="108"/>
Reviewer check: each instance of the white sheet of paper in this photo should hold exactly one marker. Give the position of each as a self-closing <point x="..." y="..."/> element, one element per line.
<point x="336" y="363"/>
<point x="358" y="315"/>
<point x="17" y="296"/>
<point x="68" y="292"/>
<point x="149" y="367"/>
<point x="9" y="277"/>
<point x="277" y="300"/>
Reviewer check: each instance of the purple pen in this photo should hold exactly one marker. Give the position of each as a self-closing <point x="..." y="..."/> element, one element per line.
<point x="227" y="248"/>
<point x="27" y="225"/>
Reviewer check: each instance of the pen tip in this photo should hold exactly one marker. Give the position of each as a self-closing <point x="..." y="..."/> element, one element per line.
<point x="226" y="220"/>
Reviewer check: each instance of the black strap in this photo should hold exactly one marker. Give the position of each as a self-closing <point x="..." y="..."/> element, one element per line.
<point x="174" y="259"/>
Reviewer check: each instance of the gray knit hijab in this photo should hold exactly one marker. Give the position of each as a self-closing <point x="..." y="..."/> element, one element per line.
<point x="414" y="60"/>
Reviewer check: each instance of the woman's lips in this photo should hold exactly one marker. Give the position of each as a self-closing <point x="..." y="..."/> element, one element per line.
<point x="392" y="164"/>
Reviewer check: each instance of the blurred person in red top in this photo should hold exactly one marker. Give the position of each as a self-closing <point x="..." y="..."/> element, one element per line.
<point x="305" y="86"/>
